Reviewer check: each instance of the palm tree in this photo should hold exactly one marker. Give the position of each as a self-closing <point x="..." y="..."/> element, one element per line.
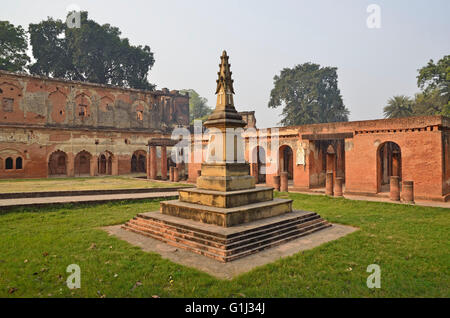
<point x="398" y="106"/>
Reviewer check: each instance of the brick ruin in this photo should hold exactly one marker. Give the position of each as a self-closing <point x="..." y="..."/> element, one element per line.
<point x="365" y="154"/>
<point x="53" y="127"/>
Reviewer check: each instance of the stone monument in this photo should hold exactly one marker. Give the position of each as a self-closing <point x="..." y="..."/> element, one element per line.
<point x="226" y="217"/>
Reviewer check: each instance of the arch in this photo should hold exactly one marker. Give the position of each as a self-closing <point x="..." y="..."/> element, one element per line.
<point x="258" y="164"/>
<point x="389" y="163"/>
<point x="83" y="163"/>
<point x="139" y="161"/>
<point x="286" y="161"/>
<point x="19" y="163"/>
<point x="57" y="163"/>
<point x="9" y="163"/>
<point x="105" y="163"/>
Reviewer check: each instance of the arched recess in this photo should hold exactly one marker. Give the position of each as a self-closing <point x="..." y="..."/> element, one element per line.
<point x="258" y="164"/>
<point x="105" y="160"/>
<point x="19" y="163"/>
<point x="139" y="161"/>
<point x="389" y="163"/>
<point x="9" y="163"/>
<point x="286" y="161"/>
<point x="83" y="163"/>
<point x="57" y="163"/>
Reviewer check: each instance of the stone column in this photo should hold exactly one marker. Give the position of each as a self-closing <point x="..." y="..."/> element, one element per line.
<point x="394" y="193"/>
<point x="338" y="187"/>
<point x="329" y="183"/>
<point x="152" y="162"/>
<point x="171" y="174"/>
<point x="176" y="175"/>
<point x="276" y="182"/>
<point x="408" y="191"/>
<point x="284" y="182"/>
<point x="163" y="162"/>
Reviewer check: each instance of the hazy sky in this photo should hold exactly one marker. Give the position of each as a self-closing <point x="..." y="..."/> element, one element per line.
<point x="262" y="37"/>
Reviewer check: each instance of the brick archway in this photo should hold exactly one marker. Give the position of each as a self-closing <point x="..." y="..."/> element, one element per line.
<point x="389" y="163"/>
<point x="286" y="160"/>
<point x="57" y="163"/>
<point x="105" y="160"/>
<point x="139" y="161"/>
<point x="83" y="163"/>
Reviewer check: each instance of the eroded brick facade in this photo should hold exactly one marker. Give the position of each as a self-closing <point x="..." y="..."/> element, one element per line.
<point x="51" y="127"/>
<point x="364" y="153"/>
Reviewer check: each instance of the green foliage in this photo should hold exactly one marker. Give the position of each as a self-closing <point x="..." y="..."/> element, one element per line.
<point x="410" y="243"/>
<point x="399" y="106"/>
<point x="434" y="81"/>
<point x="310" y="94"/>
<point x="436" y="76"/>
<point x="431" y="102"/>
<point x="198" y="106"/>
<point x="93" y="53"/>
<point x="13" y="47"/>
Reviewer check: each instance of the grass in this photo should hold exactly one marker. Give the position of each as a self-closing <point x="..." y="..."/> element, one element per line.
<point x="410" y="243"/>
<point x="82" y="183"/>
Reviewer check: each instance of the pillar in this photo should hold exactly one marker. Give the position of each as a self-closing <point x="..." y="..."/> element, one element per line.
<point x="395" y="164"/>
<point x="93" y="169"/>
<point x="115" y="166"/>
<point x="152" y="162"/>
<point x="338" y="186"/>
<point x="276" y="182"/>
<point x="408" y="191"/>
<point x="171" y="174"/>
<point x="329" y="183"/>
<point x="176" y="174"/>
<point x="284" y="182"/>
<point x="394" y="187"/>
<point x="163" y="162"/>
<point x="70" y="165"/>
<point x="179" y="171"/>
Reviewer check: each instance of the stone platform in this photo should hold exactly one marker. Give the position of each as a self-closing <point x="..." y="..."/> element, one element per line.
<point x="226" y="244"/>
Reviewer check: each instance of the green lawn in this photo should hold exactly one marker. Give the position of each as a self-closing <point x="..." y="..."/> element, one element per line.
<point x="410" y="243"/>
<point x="82" y="183"/>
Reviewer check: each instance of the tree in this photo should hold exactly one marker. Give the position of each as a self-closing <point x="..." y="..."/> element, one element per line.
<point x="434" y="80"/>
<point x="398" y="106"/>
<point x="436" y="76"/>
<point x="13" y="47"/>
<point x="198" y="106"/>
<point x="93" y="53"/>
<point x="430" y="103"/>
<point x="310" y="94"/>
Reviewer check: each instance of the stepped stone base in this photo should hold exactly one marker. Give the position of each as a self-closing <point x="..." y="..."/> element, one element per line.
<point x="226" y="216"/>
<point x="226" y="244"/>
<point x="226" y="199"/>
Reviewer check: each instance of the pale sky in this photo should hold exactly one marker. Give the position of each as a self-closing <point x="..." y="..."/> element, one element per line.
<point x="262" y="37"/>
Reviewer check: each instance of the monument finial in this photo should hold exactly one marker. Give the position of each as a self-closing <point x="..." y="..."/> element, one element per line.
<point x="225" y="114"/>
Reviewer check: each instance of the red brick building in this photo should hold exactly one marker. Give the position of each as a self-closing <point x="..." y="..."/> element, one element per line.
<point x="52" y="127"/>
<point x="364" y="153"/>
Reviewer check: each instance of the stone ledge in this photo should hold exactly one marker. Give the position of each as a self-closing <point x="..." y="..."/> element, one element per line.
<point x="226" y="216"/>
<point x="226" y="199"/>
